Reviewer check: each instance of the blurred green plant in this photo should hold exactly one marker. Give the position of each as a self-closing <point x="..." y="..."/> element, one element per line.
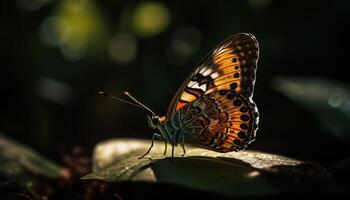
<point x="328" y="100"/>
<point x="23" y="164"/>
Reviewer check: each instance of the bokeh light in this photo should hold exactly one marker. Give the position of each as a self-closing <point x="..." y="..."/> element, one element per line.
<point x="49" y="33"/>
<point x="184" y="44"/>
<point x="75" y="27"/>
<point x="150" y="18"/>
<point x="54" y="91"/>
<point x="123" y="48"/>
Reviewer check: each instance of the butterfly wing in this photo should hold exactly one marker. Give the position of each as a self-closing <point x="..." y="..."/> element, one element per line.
<point x="222" y="121"/>
<point x="229" y="66"/>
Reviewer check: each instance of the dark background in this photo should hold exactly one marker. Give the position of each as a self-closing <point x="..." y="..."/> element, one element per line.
<point x="57" y="55"/>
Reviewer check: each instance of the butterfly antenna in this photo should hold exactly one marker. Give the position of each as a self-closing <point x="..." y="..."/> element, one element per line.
<point x="139" y="103"/>
<point x="118" y="99"/>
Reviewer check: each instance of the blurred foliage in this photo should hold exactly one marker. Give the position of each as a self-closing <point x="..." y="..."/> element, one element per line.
<point x="236" y="174"/>
<point x="23" y="163"/>
<point x="328" y="100"/>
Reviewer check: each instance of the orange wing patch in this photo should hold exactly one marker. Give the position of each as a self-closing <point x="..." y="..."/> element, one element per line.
<point x="229" y="70"/>
<point x="230" y="66"/>
<point x="189" y="95"/>
<point x="180" y="105"/>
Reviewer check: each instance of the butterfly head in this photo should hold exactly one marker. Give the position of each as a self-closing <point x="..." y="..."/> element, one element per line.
<point x="154" y="121"/>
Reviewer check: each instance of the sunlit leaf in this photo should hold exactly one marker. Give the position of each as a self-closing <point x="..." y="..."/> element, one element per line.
<point x="246" y="173"/>
<point x="328" y="100"/>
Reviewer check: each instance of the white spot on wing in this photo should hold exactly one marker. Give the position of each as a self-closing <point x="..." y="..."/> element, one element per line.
<point x="207" y="72"/>
<point x="190" y="83"/>
<point x="214" y="75"/>
<point x="202" y="87"/>
<point x="203" y="70"/>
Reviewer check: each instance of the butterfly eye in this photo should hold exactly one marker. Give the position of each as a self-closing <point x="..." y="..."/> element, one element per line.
<point x="155" y="120"/>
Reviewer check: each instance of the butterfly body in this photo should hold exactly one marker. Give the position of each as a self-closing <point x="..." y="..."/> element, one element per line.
<point x="169" y="131"/>
<point x="229" y="126"/>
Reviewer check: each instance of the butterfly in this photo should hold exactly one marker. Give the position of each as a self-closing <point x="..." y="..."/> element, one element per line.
<point x="213" y="108"/>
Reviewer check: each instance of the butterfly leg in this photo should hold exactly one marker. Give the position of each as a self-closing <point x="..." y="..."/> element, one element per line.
<point x="149" y="150"/>
<point x="166" y="146"/>
<point x="172" y="153"/>
<point x="183" y="146"/>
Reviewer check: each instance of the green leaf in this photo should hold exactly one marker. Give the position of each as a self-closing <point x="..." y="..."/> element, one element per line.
<point x="328" y="100"/>
<point x="21" y="162"/>
<point x="236" y="174"/>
